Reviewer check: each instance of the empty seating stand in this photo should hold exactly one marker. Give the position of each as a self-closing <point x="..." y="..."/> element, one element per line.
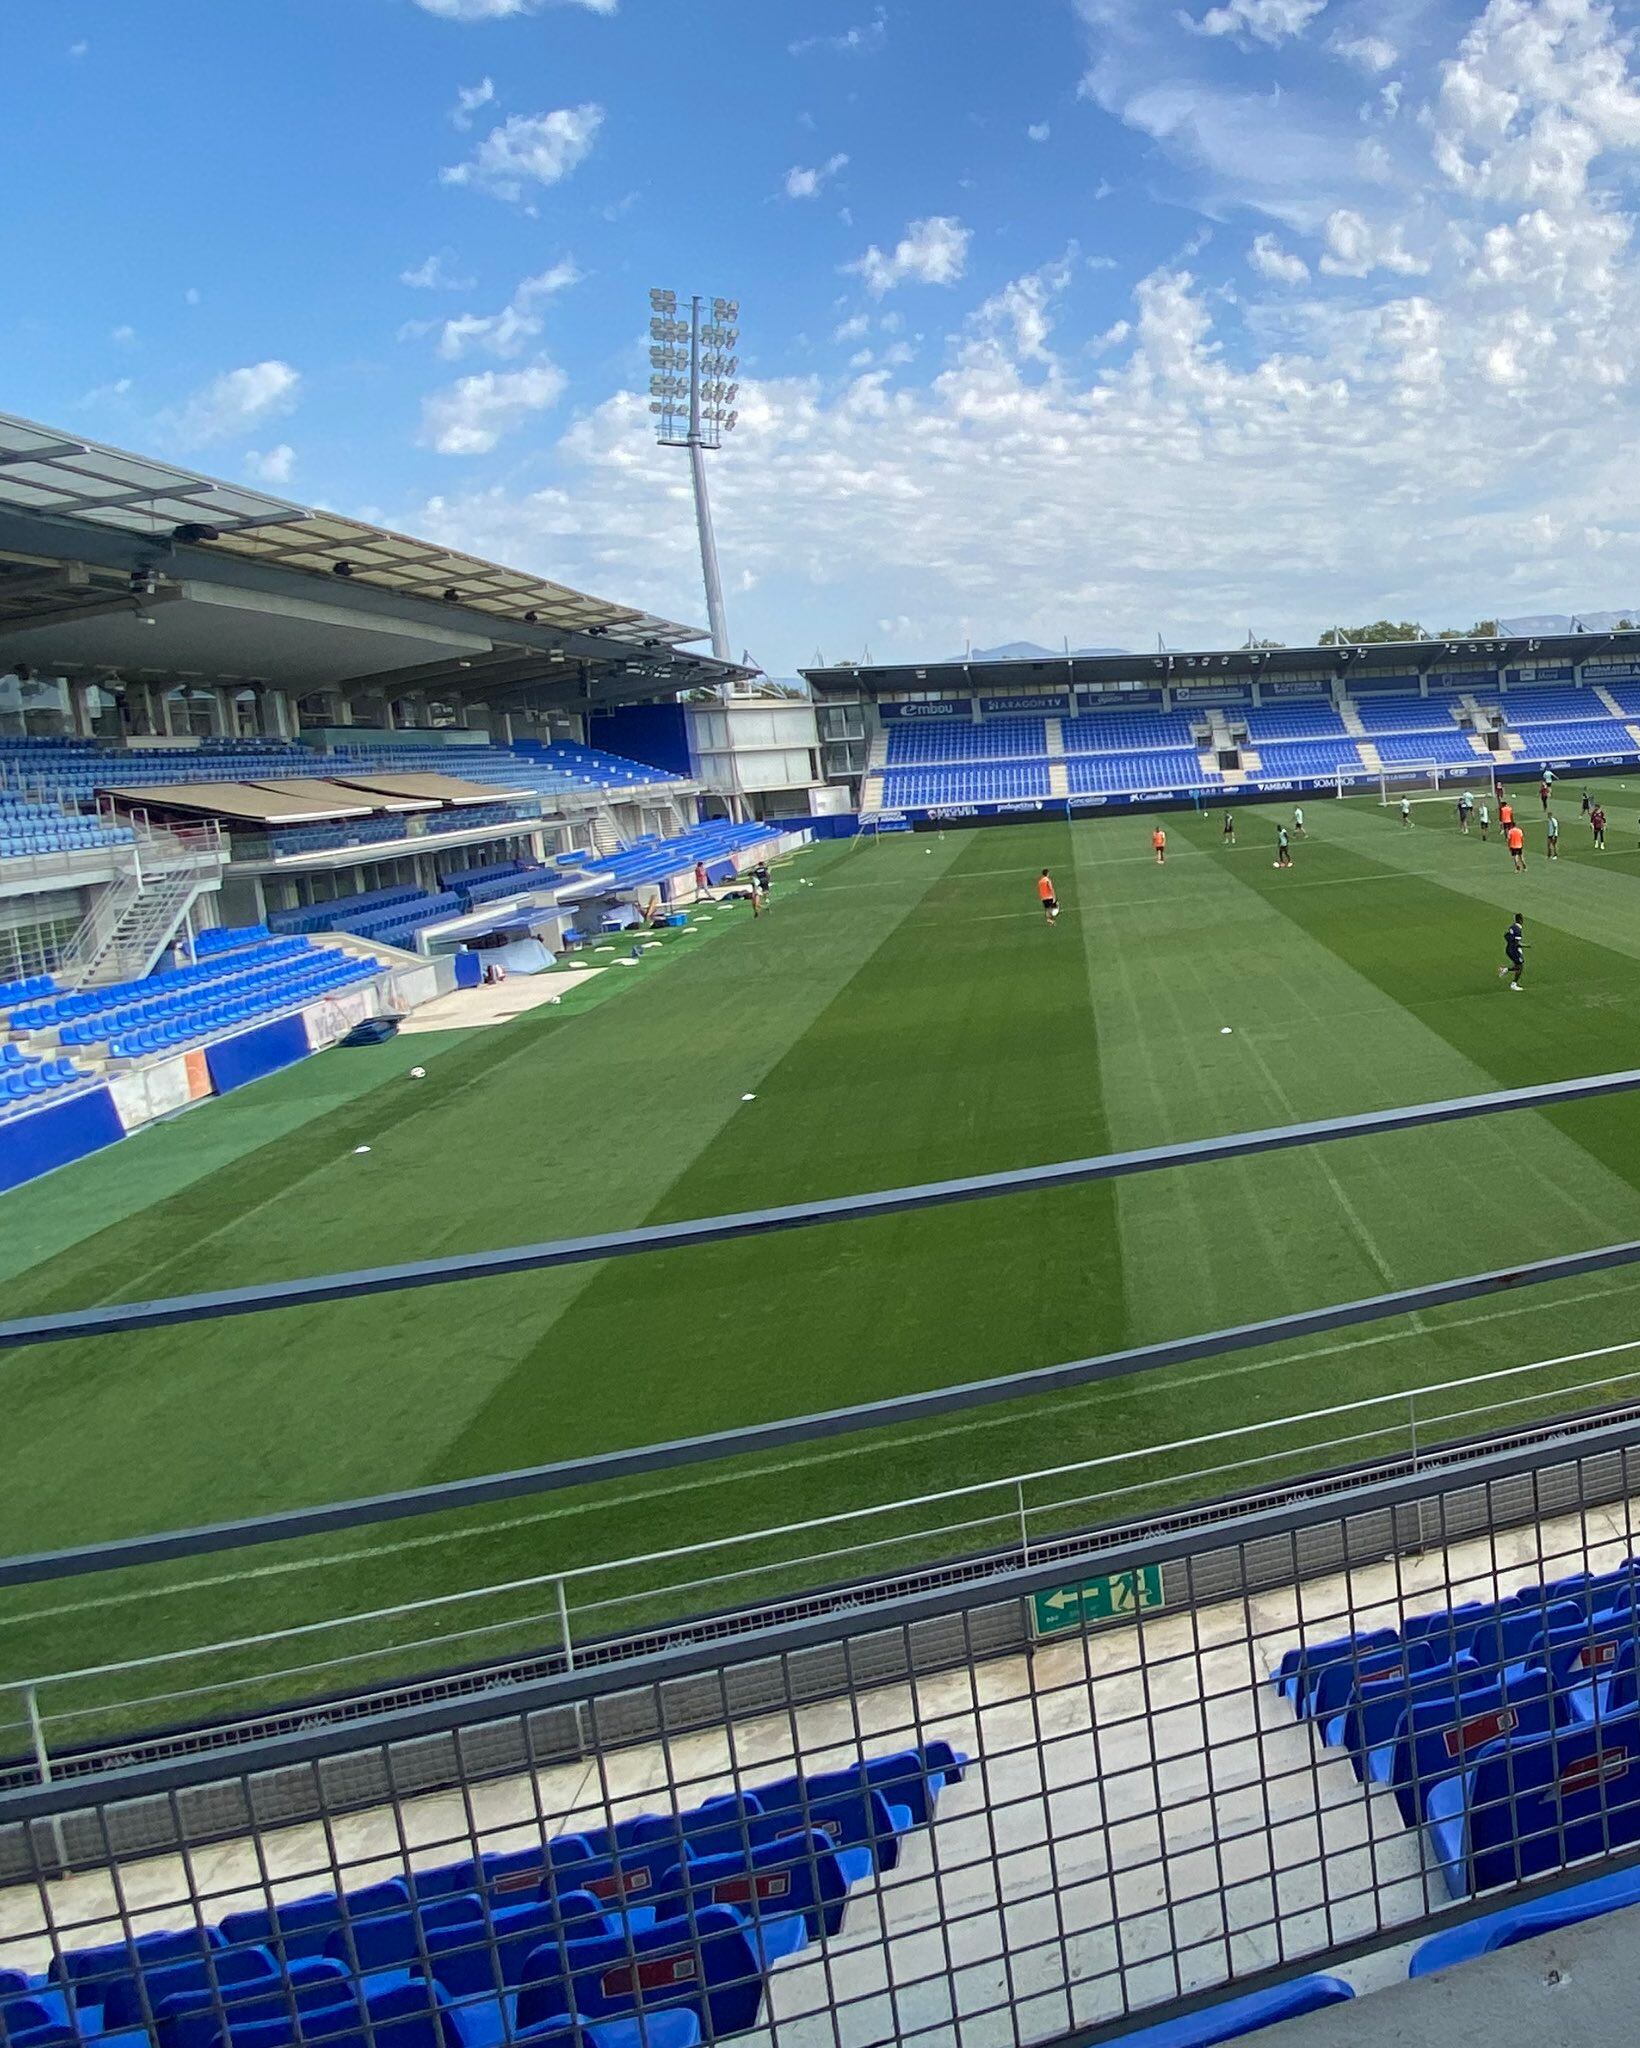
<point x="646" y="1934"/>
<point x="238" y="978"/>
<point x="1508" y="1730"/>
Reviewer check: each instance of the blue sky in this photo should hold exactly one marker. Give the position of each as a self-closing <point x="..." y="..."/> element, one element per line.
<point x="1083" y="319"/>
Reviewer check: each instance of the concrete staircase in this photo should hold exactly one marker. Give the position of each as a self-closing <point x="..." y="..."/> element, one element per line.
<point x="1056" y="738"/>
<point x="871" y="794"/>
<point x="1352" y="719"/>
<point x="877" y="752"/>
<point x="1059" y="779"/>
<point x="1371" y="759"/>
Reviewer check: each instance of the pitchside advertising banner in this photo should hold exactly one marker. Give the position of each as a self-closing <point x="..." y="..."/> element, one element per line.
<point x="942" y="707"/>
<point x="1315" y="689"/>
<point x="1212" y="693"/>
<point x="1547" y="672"/>
<point x="1000" y="707"/>
<point x="1606" y="671"/>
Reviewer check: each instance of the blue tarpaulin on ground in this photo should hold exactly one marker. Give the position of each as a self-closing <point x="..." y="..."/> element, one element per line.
<point x="53" y="1135"/>
<point x="234" y="1061"/>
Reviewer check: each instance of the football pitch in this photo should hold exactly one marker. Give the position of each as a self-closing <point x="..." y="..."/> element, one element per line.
<point x="907" y="1017"/>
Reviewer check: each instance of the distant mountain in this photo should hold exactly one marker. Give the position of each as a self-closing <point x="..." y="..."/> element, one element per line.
<point x="1541" y="624"/>
<point x="1028" y="650"/>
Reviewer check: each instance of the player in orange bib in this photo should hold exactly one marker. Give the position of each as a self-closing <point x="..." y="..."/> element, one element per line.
<point x="1158" y="839"/>
<point x="1046" y="896"/>
<point x="1517" y="846"/>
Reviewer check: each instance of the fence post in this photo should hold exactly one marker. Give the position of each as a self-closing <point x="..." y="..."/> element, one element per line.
<point x="1412" y="1442"/>
<point x="568" y="1642"/>
<point x="1024" y="1524"/>
<point x="42" y="1764"/>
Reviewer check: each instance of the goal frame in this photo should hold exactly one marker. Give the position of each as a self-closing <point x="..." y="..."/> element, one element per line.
<point x="1429" y="782"/>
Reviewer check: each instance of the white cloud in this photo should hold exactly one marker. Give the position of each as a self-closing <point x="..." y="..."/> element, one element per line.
<point x="191" y="296"/>
<point x="508" y="332"/>
<point x="1038" y="131"/>
<point x="1538" y="91"/>
<point x="503" y="10"/>
<point x="234" y="401"/>
<point x="932" y="251"/>
<point x="1018" y="319"/>
<point x="274" y="466"/>
<point x="469" y="98"/>
<point x="1249" y="443"/>
<point x="858" y="41"/>
<point x="123" y="335"/>
<point x="1372" y="53"/>
<point x="1355" y="247"/>
<point x="435" y="275"/>
<point x="529" y="149"/>
<point x="1266" y="21"/>
<point x="470" y="416"/>
<point x="78" y="49"/>
<point x="806" y="184"/>
<point x="1279" y="265"/>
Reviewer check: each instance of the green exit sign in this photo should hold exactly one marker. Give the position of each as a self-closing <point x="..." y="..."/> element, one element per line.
<point x="1059" y="1609"/>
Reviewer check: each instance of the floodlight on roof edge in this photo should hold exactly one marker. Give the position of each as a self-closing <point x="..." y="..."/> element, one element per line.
<point x="692" y="395"/>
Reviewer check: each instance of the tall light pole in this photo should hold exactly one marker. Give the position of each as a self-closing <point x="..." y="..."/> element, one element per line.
<point x="692" y="396"/>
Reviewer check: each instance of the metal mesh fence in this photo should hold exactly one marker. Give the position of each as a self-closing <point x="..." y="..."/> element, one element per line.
<point x="896" y="1824"/>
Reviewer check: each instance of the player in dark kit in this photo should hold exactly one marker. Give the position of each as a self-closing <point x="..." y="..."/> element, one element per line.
<point x="1229" y="829"/>
<point x="1514" y="954"/>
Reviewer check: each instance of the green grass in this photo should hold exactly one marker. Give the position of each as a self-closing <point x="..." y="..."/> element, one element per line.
<point x="907" y="1017"/>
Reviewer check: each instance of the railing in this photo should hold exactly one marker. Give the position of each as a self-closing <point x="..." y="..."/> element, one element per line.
<point x="1130" y="1820"/>
<point x="447" y="1643"/>
<point x="1143" y="1820"/>
<point x="162" y="870"/>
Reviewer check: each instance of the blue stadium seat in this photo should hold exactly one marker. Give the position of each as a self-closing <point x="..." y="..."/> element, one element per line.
<point x="301" y="1927"/>
<point x="1301" y="1667"/>
<point x="707" y="1963"/>
<point x="1529" y="1805"/>
<point x="192" y="2018"/>
<point x="793" y="1890"/>
<point x="1438" y="1738"/>
<point x="1379" y="1706"/>
<point x="227" y="1972"/>
<point x="393" y="2016"/>
<point x="1235" y="2017"/>
<point x="1514" y="1924"/>
<point x="92" y="1974"/>
<point x="395" y="1941"/>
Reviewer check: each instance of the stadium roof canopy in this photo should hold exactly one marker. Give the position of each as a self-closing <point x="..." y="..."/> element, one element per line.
<point x="1238" y="664"/>
<point x="113" y="562"/>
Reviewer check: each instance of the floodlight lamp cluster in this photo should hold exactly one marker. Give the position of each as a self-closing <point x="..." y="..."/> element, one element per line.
<point x="693" y="366"/>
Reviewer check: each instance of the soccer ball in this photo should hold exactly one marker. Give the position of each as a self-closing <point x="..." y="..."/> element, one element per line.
<point x="418" y="1073"/>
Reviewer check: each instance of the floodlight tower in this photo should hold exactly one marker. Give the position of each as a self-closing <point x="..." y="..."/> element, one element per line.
<point x="692" y="396"/>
